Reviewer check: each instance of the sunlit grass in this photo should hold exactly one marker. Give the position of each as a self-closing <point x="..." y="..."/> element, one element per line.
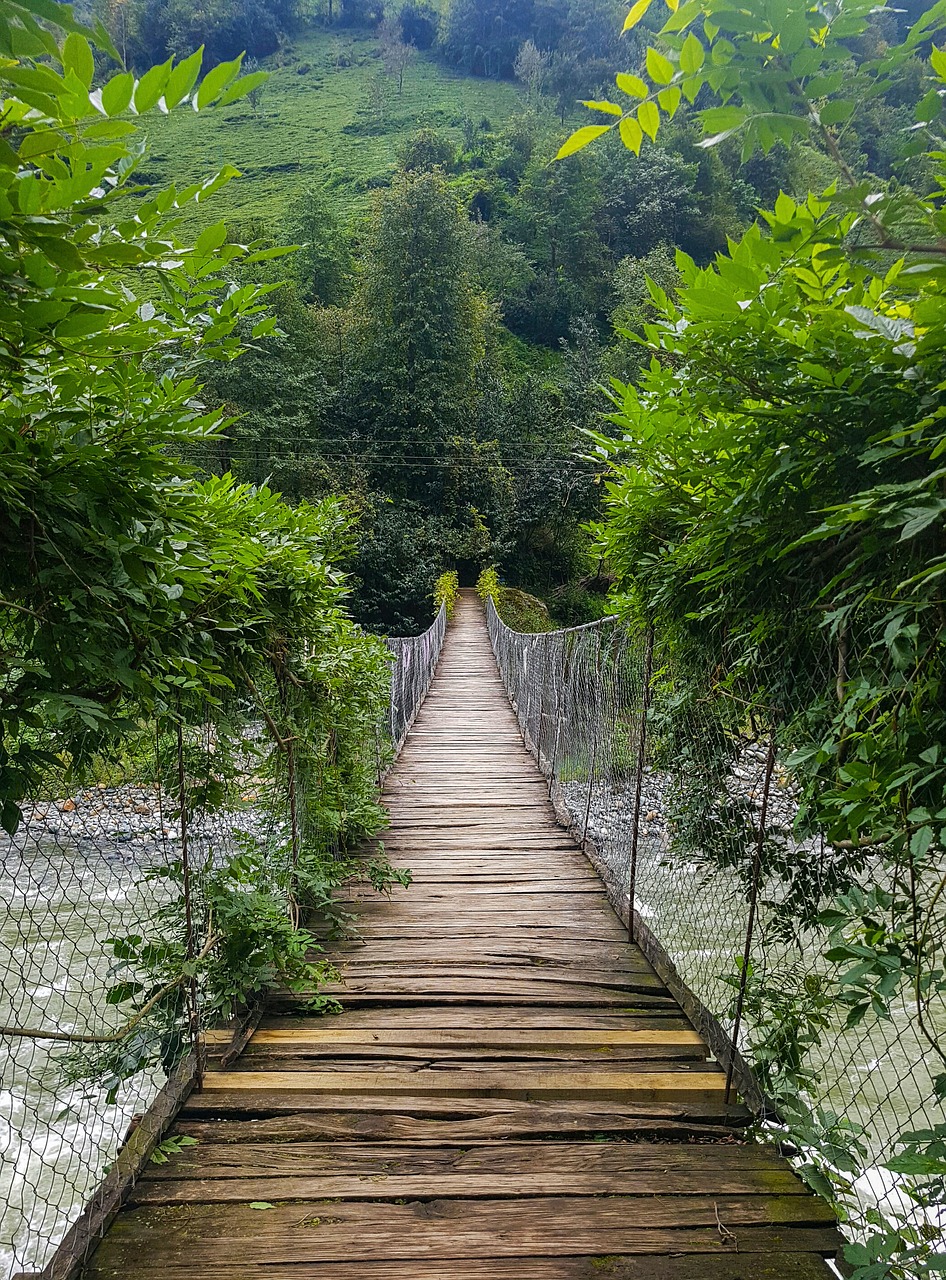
<point x="318" y="121"/>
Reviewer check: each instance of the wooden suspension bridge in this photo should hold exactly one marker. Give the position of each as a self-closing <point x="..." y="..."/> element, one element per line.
<point x="510" y="1094"/>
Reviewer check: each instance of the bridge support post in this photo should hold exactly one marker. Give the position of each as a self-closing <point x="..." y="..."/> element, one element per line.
<point x="193" y="1010"/>
<point x="753" y="907"/>
<point x="639" y="782"/>
<point x="594" y="742"/>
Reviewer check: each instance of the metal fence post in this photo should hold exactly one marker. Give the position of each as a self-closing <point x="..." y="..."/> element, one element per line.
<point x="750" y="921"/>
<point x="639" y="783"/>
<point x="594" y="741"/>
<point x="187" y="888"/>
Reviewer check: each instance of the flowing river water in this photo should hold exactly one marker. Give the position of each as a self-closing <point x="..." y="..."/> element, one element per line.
<point x="70" y="881"/>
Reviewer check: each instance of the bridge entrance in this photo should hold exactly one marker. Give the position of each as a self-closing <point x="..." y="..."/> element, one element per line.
<point x="510" y="1093"/>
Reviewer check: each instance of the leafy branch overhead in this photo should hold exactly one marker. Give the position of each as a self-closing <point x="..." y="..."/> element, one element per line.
<point x="145" y="606"/>
<point x="782" y="71"/>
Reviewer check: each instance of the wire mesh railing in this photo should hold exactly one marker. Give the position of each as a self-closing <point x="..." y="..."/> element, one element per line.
<point x="134" y="892"/>
<point x="415" y="661"/>
<point x="693" y="821"/>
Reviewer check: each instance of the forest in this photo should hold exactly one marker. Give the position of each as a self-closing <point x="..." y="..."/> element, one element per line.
<point x="476" y="459"/>
<point x="642" y="319"/>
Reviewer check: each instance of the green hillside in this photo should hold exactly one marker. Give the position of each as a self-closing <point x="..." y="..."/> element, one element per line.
<point x="318" y="119"/>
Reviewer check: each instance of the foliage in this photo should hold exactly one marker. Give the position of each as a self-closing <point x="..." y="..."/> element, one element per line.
<point x="170" y="1147"/>
<point x="146" y="31"/>
<point x="488" y="586"/>
<point x="134" y="592"/>
<point x="518" y="609"/>
<point x="322" y="267"/>
<point x="787" y="1010"/>
<point x="486" y="37"/>
<point x="447" y="591"/>
<point x="776" y="510"/>
<point x="777" y="75"/>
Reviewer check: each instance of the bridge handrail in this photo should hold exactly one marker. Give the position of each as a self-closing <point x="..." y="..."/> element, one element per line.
<point x="415" y="661"/>
<point x="688" y="819"/>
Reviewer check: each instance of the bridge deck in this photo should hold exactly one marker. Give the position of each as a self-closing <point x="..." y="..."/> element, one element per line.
<point x="510" y="1093"/>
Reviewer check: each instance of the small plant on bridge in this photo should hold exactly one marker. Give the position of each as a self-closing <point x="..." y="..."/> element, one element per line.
<point x="447" y="591"/>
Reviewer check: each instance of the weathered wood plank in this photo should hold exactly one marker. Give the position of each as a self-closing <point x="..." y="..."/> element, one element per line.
<point x="314" y="1033"/>
<point x="620" y="1085"/>
<point x="211" y="1159"/>
<point x="381" y="1185"/>
<point x="282" y="1118"/>
<point x="503" y="1064"/>
<point x="575" y="1017"/>
<point x="761" y="1258"/>
<point x="444" y="1228"/>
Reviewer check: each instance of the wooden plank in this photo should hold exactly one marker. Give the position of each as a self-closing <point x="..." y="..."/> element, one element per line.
<point x="577" y="1114"/>
<point x="351" y="1230"/>
<point x="498" y="1064"/>
<point x="393" y="1185"/>
<point x="294" y="1117"/>
<point x="260" y="1158"/>
<point x="574" y="1017"/>
<point x="630" y="1086"/>
<point x="502" y="975"/>
<point x="527" y="953"/>
<point x="762" y="1257"/>
<point x="315" y="1033"/>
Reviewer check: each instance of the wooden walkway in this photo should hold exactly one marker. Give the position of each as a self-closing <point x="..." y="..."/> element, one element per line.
<point x="510" y="1093"/>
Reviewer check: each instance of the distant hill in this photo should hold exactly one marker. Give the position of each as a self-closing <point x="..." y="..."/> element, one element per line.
<point x="327" y="114"/>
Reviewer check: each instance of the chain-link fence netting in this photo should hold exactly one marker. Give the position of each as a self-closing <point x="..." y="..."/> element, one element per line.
<point x="153" y="895"/>
<point x="694" y="816"/>
<point x="415" y="660"/>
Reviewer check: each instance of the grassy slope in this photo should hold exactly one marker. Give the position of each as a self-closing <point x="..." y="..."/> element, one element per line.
<point x="316" y="125"/>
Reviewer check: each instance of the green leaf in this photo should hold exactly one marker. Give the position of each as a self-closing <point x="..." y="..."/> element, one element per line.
<point x="211" y="238"/>
<point x="836" y="111"/>
<point x="648" y="117"/>
<point x="243" y="86"/>
<point x="116" y="94"/>
<point x="692" y="55"/>
<point x="10" y="817"/>
<point x="638" y="10"/>
<point x="215" y="81"/>
<point x="683" y="17"/>
<point x="261" y="1204"/>
<point x="77" y="57"/>
<point x="151" y="86"/>
<point x="669" y="99"/>
<point x="633" y="86"/>
<point x="929" y="107"/>
<point x="611" y="107"/>
<point x="580" y="138"/>
<point x="659" y="68"/>
<point x="183" y="78"/>
<point x="785" y="207"/>
<point x="631" y="134"/>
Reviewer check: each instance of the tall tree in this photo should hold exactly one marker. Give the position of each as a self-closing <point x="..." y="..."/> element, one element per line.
<point x="323" y="264"/>
<point x="423" y="323"/>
